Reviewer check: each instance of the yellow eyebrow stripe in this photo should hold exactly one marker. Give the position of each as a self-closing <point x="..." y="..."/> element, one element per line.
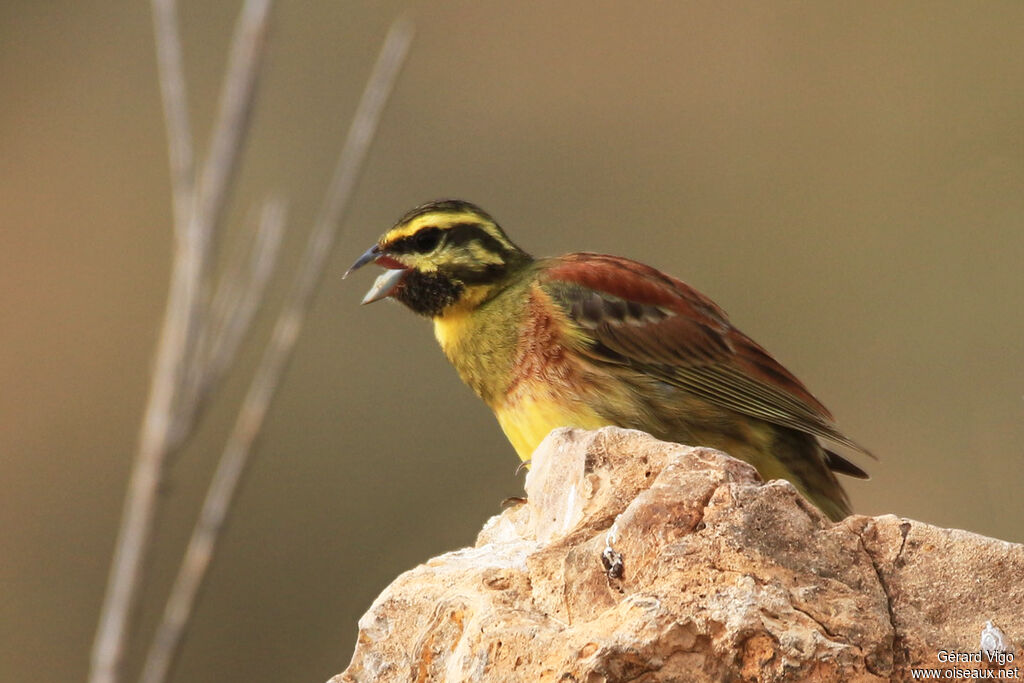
<point x="444" y="221"/>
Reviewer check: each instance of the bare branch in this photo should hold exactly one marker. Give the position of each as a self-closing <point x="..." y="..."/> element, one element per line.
<point x="231" y="125"/>
<point x="175" y="102"/>
<point x="239" y="295"/>
<point x="216" y="179"/>
<point x="231" y="466"/>
<point x="196" y="214"/>
<point x="360" y="134"/>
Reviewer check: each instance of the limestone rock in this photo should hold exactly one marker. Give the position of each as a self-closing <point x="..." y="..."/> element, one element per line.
<point x="639" y="560"/>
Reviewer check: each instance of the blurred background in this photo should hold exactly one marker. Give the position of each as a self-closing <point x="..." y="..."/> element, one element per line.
<point x="845" y="179"/>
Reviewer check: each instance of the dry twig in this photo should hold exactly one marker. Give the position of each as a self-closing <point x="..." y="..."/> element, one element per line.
<point x="231" y="466"/>
<point x="197" y="212"/>
<point x="201" y="333"/>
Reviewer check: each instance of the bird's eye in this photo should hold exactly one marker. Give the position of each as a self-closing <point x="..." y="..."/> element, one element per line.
<point x="426" y="240"/>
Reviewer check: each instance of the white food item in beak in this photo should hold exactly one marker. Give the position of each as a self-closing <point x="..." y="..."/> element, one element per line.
<point x="385" y="284"/>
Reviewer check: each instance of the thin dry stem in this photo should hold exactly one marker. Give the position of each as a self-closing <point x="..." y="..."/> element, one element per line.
<point x="216" y="180"/>
<point x="163" y="428"/>
<point x="239" y="294"/>
<point x="175" y="103"/>
<point x="236" y="103"/>
<point x="202" y="545"/>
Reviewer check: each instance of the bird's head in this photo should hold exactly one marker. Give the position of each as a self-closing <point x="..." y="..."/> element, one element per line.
<point x="441" y="256"/>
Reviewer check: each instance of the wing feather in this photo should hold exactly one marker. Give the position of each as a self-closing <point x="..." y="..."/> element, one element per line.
<point x="639" y="317"/>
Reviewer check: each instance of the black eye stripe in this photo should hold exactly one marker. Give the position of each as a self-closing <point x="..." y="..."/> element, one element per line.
<point x="422" y="241"/>
<point x="464" y="233"/>
<point x="426" y="240"/>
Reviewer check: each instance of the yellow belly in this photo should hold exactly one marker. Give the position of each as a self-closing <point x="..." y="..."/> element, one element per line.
<point x="530" y="420"/>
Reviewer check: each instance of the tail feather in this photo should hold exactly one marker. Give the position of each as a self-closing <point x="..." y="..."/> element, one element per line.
<point x="838" y="463"/>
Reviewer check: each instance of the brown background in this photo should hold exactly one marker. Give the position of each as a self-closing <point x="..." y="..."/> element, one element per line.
<point x="844" y="179"/>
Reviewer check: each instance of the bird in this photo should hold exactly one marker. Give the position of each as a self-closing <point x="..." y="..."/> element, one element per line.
<point x="589" y="340"/>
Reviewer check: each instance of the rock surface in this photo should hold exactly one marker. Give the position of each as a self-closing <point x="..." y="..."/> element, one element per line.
<point x="722" y="577"/>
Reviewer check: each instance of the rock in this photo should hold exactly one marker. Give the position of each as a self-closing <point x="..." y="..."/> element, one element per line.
<point x="639" y="560"/>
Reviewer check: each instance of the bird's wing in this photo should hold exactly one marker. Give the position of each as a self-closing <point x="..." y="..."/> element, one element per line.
<point x="637" y="316"/>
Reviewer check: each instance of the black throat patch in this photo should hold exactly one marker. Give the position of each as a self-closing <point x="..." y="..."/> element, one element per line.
<point x="428" y="293"/>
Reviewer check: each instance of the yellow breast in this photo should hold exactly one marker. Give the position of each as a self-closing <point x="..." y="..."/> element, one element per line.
<point x="458" y="324"/>
<point x="450" y="329"/>
<point x="515" y="357"/>
<point x="527" y="420"/>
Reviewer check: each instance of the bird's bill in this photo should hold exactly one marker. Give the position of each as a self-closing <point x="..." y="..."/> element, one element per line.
<point x="371" y="255"/>
<point x="386" y="283"/>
